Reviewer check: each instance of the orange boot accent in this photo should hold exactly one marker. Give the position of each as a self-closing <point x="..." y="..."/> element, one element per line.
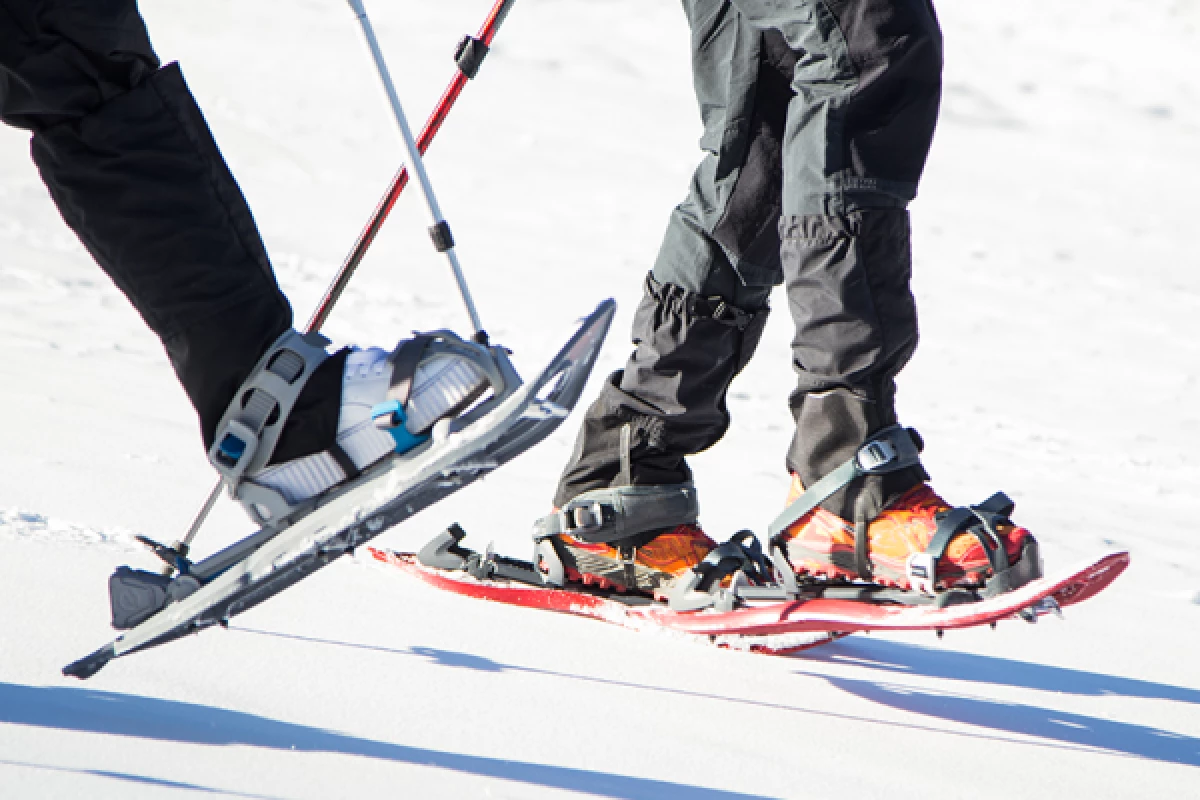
<point x="656" y="564"/>
<point x="821" y="543"/>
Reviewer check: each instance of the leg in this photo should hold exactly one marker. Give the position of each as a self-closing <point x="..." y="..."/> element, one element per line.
<point x="130" y="162"/>
<point x="867" y="83"/>
<point x="867" y="86"/>
<point x="134" y="170"/>
<point x="705" y="303"/>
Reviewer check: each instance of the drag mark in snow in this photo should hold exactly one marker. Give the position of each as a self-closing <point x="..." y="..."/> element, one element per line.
<point x="30" y="525"/>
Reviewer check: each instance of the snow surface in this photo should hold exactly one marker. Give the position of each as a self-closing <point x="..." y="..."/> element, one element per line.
<point x="1057" y="278"/>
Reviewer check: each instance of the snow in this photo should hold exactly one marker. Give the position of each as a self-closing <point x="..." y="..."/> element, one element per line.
<point x="1060" y="298"/>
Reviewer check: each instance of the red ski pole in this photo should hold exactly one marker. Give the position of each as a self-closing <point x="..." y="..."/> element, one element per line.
<point x="469" y="56"/>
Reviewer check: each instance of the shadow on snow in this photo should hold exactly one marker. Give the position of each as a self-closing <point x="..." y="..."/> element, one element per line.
<point x="900" y="658"/>
<point x="167" y="720"/>
<point x="1060" y="730"/>
<point x="144" y="780"/>
<point x="1091" y="732"/>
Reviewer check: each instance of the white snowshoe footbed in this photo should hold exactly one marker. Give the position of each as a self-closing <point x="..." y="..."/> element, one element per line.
<point x="448" y="375"/>
<point x="442" y="384"/>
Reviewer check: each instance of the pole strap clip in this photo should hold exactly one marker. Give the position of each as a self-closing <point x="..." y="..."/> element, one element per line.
<point x="469" y="55"/>
<point x="443" y="239"/>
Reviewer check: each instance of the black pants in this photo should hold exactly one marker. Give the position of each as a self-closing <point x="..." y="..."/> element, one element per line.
<point x="818" y="119"/>
<point x="131" y="164"/>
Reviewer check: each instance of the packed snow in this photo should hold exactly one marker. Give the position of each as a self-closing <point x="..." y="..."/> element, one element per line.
<point x="1059" y="290"/>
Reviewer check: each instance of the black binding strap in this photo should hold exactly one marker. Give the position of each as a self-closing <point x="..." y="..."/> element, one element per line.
<point x="344" y="461"/>
<point x="891" y="449"/>
<point x="862" y="547"/>
<point x="979" y="521"/>
<point x="622" y="514"/>
<point x="701" y="586"/>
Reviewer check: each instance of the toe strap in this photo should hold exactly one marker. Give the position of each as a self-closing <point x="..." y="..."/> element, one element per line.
<point x="701" y="588"/>
<point x="980" y="521"/>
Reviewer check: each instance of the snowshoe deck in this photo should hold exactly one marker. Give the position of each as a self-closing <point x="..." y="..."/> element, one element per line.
<point x="766" y="626"/>
<point x="268" y="562"/>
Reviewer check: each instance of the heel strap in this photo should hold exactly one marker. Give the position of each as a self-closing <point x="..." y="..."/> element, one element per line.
<point x="253" y="422"/>
<point x="621" y="514"/>
<point x="251" y="427"/>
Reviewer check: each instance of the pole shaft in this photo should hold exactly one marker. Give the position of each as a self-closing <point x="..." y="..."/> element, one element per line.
<point x="487" y="33"/>
<point x="416" y="163"/>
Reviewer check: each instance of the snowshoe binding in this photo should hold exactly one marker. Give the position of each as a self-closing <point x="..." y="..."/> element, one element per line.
<point x="477" y="431"/>
<point x="917" y="543"/>
<point x="918" y="551"/>
<point x="627" y="538"/>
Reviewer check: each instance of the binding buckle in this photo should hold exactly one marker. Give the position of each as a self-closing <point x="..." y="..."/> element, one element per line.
<point x="875" y="455"/>
<point x="921" y="569"/>
<point x="390" y="418"/>
<point x="236" y="448"/>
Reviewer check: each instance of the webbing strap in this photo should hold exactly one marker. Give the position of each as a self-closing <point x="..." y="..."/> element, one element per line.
<point x="257" y="410"/>
<point x="980" y="521"/>
<point x="701" y="587"/>
<point x="892" y="449"/>
<point x="621" y="514"/>
<point x="404" y="366"/>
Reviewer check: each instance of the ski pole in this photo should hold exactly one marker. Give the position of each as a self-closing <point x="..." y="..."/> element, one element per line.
<point x="468" y="57"/>
<point x="439" y="232"/>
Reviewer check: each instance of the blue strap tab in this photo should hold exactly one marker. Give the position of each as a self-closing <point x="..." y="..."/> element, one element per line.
<point x="390" y="416"/>
<point x="231" y="450"/>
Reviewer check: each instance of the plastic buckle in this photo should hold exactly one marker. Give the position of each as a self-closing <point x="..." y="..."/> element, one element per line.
<point x="921" y="569"/>
<point x="584" y="518"/>
<point x="389" y="416"/>
<point x="231" y="450"/>
<point x="234" y="449"/>
<point x="876" y="454"/>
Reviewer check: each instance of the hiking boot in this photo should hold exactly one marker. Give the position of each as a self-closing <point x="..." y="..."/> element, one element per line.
<point x="823" y="544"/>
<point x="652" y="566"/>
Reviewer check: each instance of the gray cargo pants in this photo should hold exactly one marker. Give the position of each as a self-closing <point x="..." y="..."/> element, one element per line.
<point x="818" y="116"/>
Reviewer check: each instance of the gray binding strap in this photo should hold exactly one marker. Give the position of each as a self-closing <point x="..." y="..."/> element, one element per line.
<point x="626" y="476"/>
<point x="250" y="429"/>
<point x="409" y="354"/>
<point x="602" y="516"/>
<point x="892" y="449"/>
<point x="404" y="366"/>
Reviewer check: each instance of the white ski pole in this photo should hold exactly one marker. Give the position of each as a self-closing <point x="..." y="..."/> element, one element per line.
<point x="469" y="56"/>
<point x="443" y="240"/>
